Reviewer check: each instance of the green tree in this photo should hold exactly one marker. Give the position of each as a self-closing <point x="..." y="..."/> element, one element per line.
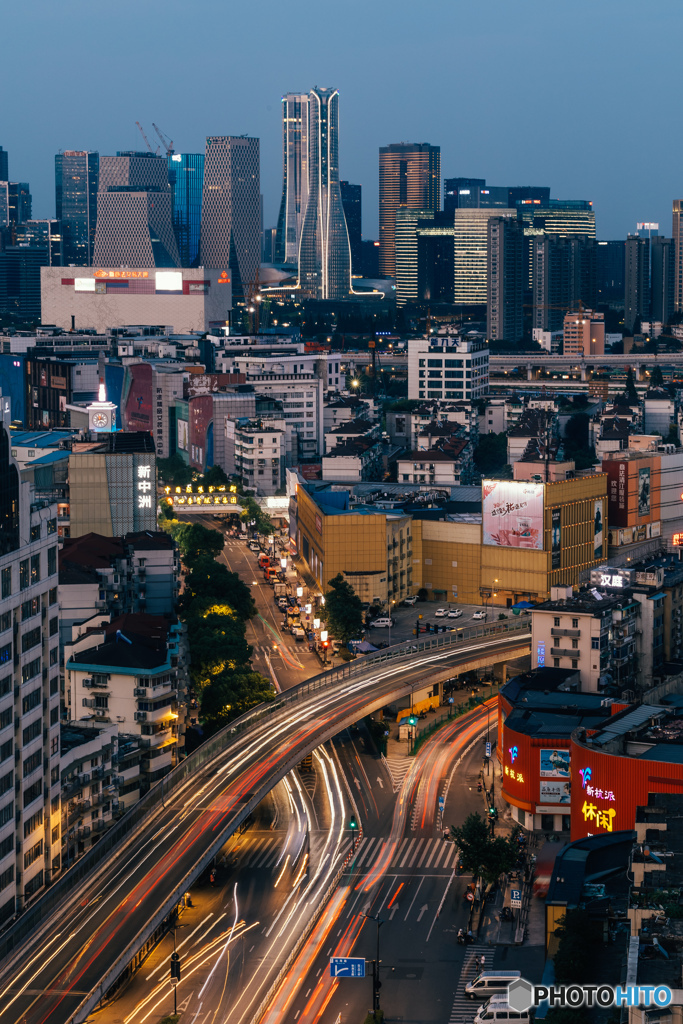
<point x="481" y="854"/>
<point x="254" y="512"/>
<point x="231" y="694"/>
<point x="174" y="471"/>
<point x="210" y="583"/>
<point x="344" y="610"/>
<point x="217" y="644"/>
<point x="631" y="386"/>
<point x="215" y="477"/>
<point x="656" y="378"/>
<point x="491" y="454"/>
<point x="579" y="948"/>
<point x="197" y="541"/>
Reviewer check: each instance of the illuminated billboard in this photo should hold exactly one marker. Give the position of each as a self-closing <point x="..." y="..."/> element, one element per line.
<point x="555" y="764"/>
<point x="169" y="280"/>
<point x="512" y="514"/>
<point x="84" y="284"/>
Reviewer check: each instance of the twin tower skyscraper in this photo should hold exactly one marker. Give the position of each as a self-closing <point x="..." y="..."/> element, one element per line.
<point x="311" y="229"/>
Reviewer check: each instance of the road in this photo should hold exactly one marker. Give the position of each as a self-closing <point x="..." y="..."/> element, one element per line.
<point x="56" y="976"/>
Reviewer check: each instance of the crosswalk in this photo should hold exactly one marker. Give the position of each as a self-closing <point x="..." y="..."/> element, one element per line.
<point x="411" y="853"/>
<point x="464" y="1009"/>
<point x="398" y="769"/>
<point x="258" y="851"/>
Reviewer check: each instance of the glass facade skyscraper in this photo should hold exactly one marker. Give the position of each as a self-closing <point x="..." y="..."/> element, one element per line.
<point x="231" y="209"/>
<point x="324" y="251"/>
<point x="352" y="201"/>
<point x="294" y="177"/>
<point x="409" y="175"/>
<point x="186" y="178"/>
<point x="76" y="186"/>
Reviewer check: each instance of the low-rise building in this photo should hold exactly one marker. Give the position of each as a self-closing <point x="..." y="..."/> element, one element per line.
<point x="443" y="467"/>
<point x="447" y="367"/>
<point x="353" y="461"/>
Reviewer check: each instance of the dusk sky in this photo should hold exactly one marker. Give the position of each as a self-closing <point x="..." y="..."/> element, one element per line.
<point x="579" y="96"/>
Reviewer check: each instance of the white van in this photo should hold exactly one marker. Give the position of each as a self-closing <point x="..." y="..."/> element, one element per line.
<point x="488" y="983"/>
<point x="496" y="1011"/>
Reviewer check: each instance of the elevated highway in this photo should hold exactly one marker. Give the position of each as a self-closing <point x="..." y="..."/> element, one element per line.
<point x="65" y="951"/>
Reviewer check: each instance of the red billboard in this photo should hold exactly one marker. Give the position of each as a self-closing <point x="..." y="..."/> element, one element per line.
<point x="136" y="398"/>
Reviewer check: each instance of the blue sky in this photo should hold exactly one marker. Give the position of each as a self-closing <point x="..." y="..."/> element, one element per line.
<point x="579" y="96"/>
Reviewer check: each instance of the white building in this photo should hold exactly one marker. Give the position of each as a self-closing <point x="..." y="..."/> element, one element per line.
<point x="98" y="297"/>
<point x="551" y="341"/>
<point x="659" y="412"/>
<point x="447" y="367"/>
<point x="430" y="466"/>
<point x="258" y="453"/>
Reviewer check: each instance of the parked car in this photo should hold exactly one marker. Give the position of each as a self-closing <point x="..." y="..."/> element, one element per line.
<point x="298" y="633"/>
<point x="282" y="603"/>
<point x="441" y="613"/>
<point x="410" y="601"/>
<point x="454" y="613"/>
<point x="383" y="621"/>
<point x="254" y="545"/>
<point x="479" y="615"/>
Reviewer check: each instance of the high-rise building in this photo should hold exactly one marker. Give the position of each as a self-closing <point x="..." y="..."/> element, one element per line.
<point x="563" y="276"/>
<point x="352" y="202"/>
<point x="505" y="279"/>
<point x="435" y="258"/>
<point x="409" y="175"/>
<point x="528" y="195"/>
<point x="610" y="270"/>
<point x="584" y="334"/>
<point x="662" y="278"/>
<point x="677" y="233"/>
<point x="452" y="188"/>
<point x="561" y="217"/>
<point x="77" y="174"/>
<point x="42" y="234"/>
<point x="20" y="280"/>
<point x="15" y="203"/>
<point x="470" y="233"/>
<point x="4" y="165"/>
<point x="294" y="177"/>
<point x="231" y="209"/>
<point x="406" y="249"/>
<point x="324" y="251"/>
<point x="30" y="814"/>
<point x="636" y="280"/>
<point x="186" y="178"/>
<point x="134" y="213"/>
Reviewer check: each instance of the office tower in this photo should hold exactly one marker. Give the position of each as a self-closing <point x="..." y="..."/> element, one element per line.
<point x="677" y="232"/>
<point x="268" y="243"/>
<point x="352" y="198"/>
<point x="435" y="258"/>
<point x="528" y="195"/>
<point x="134" y="215"/>
<point x="30" y="812"/>
<point x="20" y="281"/>
<point x="409" y="175"/>
<point x="482" y="197"/>
<point x="636" y="280"/>
<point x="452" y="188"/>
<point x="294" y="177"/>
<point x="77" y="175"/>
<point x="42" y="234"/>
<point x="561" y="217"/>
<point x="231" y="209"/>
<point x="15" y="203"/>
<point x="470" y="248"/>
<point x="4" y="165"/>
<point x="584" y="334"/>
<point x="405" y="250"/>
<point x="370" y="253"/>
<point x="324" y="252"/>
<point x="564" y="275"/>
<point x="610" y="271"/>
<point x="186" y="178"/>
<point x="505" y="279"/>
<point x="662" y="278"/>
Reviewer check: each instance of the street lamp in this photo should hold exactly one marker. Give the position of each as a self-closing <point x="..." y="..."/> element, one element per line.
<point x="376" y="983"/>
<point x="324" y="641"/>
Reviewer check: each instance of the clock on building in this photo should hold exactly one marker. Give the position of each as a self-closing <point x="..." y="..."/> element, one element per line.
<point x="102" y="414"/>
<point x="100" y="420"/>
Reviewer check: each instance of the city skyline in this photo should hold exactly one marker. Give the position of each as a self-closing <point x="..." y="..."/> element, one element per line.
<point x="476" y="138"/>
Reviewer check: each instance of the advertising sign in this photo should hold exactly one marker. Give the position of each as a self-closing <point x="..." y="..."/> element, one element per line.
<point x="513" y="514"/>
<point x="183" y="434"/>
<point x="556" y="557"/>
<point x="644" y="491"/>
<point x="555" y="764"/>
<point x="555" y="792"/>
<point x="598" y="529"/>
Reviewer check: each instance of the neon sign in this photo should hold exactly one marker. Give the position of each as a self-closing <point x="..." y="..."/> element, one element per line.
<point x="144" y="487"/>
<point x="514" y="754"/>
<point x="601" y="818"/>
<point x="585" y="774"/>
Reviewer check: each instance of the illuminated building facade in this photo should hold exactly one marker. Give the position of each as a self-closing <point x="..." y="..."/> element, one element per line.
<point x="186" y="178"/>
<point x="294" y="177"/>
<point x="76" y="187"/>
<point x="409" y="175"/>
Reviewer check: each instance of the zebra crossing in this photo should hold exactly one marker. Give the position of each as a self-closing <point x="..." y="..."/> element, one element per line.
<point x="259" y="851"/>
<point x="398" y="769"/>
<point x="411" y="853"/>
<point x="464" y="1009"/>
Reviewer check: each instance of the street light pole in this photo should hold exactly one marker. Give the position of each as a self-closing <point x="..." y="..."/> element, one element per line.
<point x="376" y="983"/>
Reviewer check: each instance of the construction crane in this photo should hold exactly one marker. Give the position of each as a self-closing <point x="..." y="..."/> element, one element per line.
<point x="142" y="132"/>
<point x="165" y="141"/>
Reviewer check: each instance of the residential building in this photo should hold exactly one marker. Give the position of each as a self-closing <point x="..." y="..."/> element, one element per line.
<point x="352" y="202"/>
<point x="505" y="279"/>
<point x="76" y="186"/>
<point x="186" y="178"/>
<point x="563" y="278"/>
<point x="470" y="259"/>
<point x="30" y="810"/>
<point x="610" y="271"/>
<point x="409" y="175"/>
<point x="259" y="448"/>
<point x="440" y="467"/>
<point x="90" y="784"/>
<point x="231" y="209"/>
<point x="445" y="367"/>
<point x="677" y="233"/>
<point x="324" y="251"/>
<point x="351" y="430"/>
<point x="584" y="333"/>
<point x="294" y="178"/>
<point x="662" y="278"/>
<point x="636" y="280"/>
<point x="353" y="461"/>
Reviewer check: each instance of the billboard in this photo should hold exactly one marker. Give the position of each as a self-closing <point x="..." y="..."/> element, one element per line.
<point x="183" y="435"/>
<point x="555" y="792"/>
<point x="555" y="764"/>
<point x="643" y="492"/>
<point x="136" y="397"/>
<point x="513" y="514"/>
<point x="598" y="529"/>
<point x="556" y="543"/>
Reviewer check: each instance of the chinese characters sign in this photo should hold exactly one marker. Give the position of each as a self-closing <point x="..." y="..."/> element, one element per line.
<point x="144" y="487"/>
<point x="513" y="514"/>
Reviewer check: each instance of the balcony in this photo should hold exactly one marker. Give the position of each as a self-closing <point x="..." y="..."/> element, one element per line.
<point x="565" y="652"/>
<point x="565" y="632"/>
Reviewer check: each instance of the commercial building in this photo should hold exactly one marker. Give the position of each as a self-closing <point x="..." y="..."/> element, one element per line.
<point x="409" y="175"/>
<point x="562" y="217"/>
<point x="352" y="203"/>
<point x="20" y="281"/>
<point x="564" y="278"/>
<point x="77" y="175"/>
<point x="4" y="164"/>
<point x="584" y="333"/>
<point x="231" y="209"/>
<point x="324" y="250"/>
<point x="662" y="278"/>
<point x="408" y="223"/>
<point x="435" y="255"/>
<point x="505" y="279"/>
<point x="634" y="496"/>
<point x="42" y="234"/>
<point x="186" y="178"/>
<point x="452" y="187"/>
<point x="444" y="367"/>
<point x="30" y="810"/>
<point x="294" y="178"/>
<point x="610" y="271"/>
<point x="112" y="485"/>
<point x="636" y="280"/>
<point x="15" y="203"/>
<point x="470" y="258"/>
<point x="104" y="297"/>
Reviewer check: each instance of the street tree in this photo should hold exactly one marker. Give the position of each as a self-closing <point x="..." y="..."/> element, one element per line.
<point x="231" y="694"/>
<point x="656" y="378"/>
<point x="197" y="541"/>
<point x="344" y="610"/>
<point x="210" y="583"/>
<point x="254" y="513"/>
<point x="481" y="854"/>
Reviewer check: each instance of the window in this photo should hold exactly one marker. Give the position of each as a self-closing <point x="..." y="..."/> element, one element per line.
<point x="5" y="718"/>
<point x="6" y="846"/>
<point x="32" y="762"/>
<point x="54" y="716"/>
<point x="5" y="621"/>
<point x="54" y="685"/>
<point x="54" y="654"/>
<point x="54" y="747"/>
<point x="53" y="595"/>
<point x="5" y="654"/>
<point x="575" y="623"/>
<point x="556" y="620"/>
<point x="556" y="662"/>
<point x="51" y="526"/>
<point x="54" y="626"/>
<point x="33" y="854"/>
<point x="575" y="663"/>
<point x="6" y="782"/>
<point x="7" y="877"/>
<point x="36" y="882"/>
<point x="595" y="643"/>
<point x="30" y="608"/>
<point x="32" y="731"/>
<point x="35" y="532"/>
<point x="31" y="670"/>
<point x="31" y="639"/>
<point x="51" y="561"/>
<point x="35" y="568"/>
<point x="7" y="582"/>
<point x="32" y="823"/>
<point x="575" y="644"/>
<point x="32" y="792"/>
<point x="23" y="574"/>
<point x="5" y="752"/>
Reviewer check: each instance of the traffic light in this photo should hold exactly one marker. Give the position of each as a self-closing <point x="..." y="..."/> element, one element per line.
<point x="175" y="966"/>
<point x="412" y="720"/>
<point x="492" y="812"/>
<point x="353" y="824"/>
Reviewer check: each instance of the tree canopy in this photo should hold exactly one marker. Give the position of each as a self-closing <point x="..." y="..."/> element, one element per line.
<point x="174" y="471"/>
<point x="344" y="610"/>
<point x="481" y="854"/>
<point x="254" y="512"/>
<point x="491" y="454"/>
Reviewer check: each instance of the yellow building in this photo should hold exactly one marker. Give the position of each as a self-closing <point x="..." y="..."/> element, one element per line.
<point x="447" y="558"/>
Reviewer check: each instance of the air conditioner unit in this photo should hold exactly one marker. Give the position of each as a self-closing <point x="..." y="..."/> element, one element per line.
<point x="140" y="716"/>
<point x="140" y="691"/>
<point x="84" y="778"/>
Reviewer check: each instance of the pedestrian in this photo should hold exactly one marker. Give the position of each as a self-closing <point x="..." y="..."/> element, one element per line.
<point x="482" y="961"/>
<point x="212" y="878"/>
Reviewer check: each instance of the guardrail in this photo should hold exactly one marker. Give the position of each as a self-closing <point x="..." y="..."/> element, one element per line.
<point x="98" y="857"/>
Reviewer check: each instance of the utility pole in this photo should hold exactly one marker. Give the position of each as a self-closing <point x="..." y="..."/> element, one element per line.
<point x="376" y="983"/>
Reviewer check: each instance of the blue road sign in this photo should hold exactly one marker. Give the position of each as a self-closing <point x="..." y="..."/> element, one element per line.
<point x="488" y="748"/>
<point x="347" y="967"/>
<point x="516" y="899"/>
<point x="442" y="803"/>
<point x="450" y="700"/>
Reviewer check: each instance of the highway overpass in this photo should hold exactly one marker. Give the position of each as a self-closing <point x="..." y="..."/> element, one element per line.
<point x="533" y="361"/>
<point x="68" y="948"/>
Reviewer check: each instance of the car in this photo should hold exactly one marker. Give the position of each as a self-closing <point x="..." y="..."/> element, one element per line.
<point x="254" y="546"/>
<point x="383" y="622"/>
<point x="282" y="603"/>
<point x="454" y="613"/>
<point x="410" y="601"/>
<point x="479" y="615"/>
<point x="298" y="633"/>
<point x="441" y="613"/>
